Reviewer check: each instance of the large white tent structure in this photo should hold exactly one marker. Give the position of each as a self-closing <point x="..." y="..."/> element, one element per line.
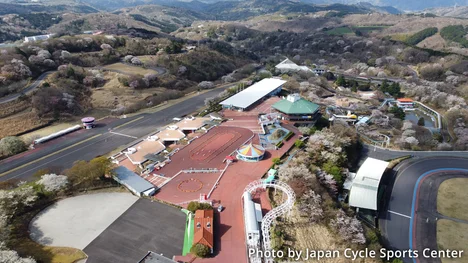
<point x="252" y="94"/>
<point x="365" y="187"/>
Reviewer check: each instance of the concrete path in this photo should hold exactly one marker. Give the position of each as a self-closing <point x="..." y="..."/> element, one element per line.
<point x="76" y="221"/>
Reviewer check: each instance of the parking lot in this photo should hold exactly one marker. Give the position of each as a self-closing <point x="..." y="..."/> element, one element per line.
<point x="145" y="226"/>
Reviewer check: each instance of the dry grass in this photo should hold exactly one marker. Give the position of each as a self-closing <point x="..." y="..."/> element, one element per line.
<point x="451" y="198"/>
<point x="20" y="123"/>
<point x="50" y="254"/>
<point x="113" y="93"/>
<point x="317" y="237"/>
<point x="130" y="69"/>
<point x="46" y="131"/>
<point x="452" y="235"/>
<point x="13" y="107"/>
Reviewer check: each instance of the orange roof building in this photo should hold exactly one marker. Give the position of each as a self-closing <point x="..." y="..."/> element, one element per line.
<point x="407" y="100"/>
<point x="203" y="232"/>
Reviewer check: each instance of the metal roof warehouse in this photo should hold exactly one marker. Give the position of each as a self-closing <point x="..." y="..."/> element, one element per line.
<point x="365" y="187"/>
<point x="254" y="93"/>
<point x="133" y="181"/>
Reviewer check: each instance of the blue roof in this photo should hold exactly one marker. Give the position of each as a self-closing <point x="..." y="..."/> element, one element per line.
<point x="132" y="180"/>
<point x="363" y="120"/>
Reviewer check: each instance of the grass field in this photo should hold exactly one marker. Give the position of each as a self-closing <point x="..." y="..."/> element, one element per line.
<point x="50" y="254"/>
<point x="134" y="70"/>
<point x="369" y="28"/>
<point x="338" y="31"/>
<point x="452" y="235"/>
<point x="451" y="198"/>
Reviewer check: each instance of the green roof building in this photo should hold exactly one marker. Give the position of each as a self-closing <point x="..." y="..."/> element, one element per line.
<point x="296" y="109"/>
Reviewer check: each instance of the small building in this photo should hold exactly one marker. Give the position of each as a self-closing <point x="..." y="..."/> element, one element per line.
<point x="405" y="103"/>
<point x="250" y="153"/>
<point x="170" y="135"/>
<point x="287" y="66"/>
<point x="37" y="38"/>
<point x="260" y="90"/>
<point x="133" y="182"/>
<point x="203" y="228"/>
<point x="364" y="190"/>
<point x="296" y="109"/>
<point x="192" y="124"/>
<point x="138" y="154"/>
<point x="88" y="122"/>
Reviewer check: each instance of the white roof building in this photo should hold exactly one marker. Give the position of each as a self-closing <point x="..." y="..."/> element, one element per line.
<point x="254" y="93"/>
<point x="365" y="187"/>
<point x="289" y="66"/>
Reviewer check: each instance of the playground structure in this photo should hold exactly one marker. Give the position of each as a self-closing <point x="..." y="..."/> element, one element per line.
<point x="335" y="113"/>
<point x="269" y="218"/>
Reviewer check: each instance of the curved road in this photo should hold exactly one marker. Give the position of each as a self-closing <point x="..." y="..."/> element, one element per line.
<point x="408" y="214"/>
<point x="28" y="89"/>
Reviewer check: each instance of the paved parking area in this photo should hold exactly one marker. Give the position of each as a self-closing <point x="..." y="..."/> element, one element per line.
<point x="76" y="221"/>
<point x="145" y="226"/>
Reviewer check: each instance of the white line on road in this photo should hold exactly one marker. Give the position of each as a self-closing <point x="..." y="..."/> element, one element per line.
<point x="399" y="214"/>
<point x="121" y="134"/>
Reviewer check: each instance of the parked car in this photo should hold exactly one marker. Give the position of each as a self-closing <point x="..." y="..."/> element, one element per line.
<point x="220" y="208"/>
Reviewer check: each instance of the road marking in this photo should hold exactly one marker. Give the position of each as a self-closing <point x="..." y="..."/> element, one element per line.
<point x="122" y="125"/>
<point x="399" y="214"/>
<point x="49" y="155"/>
<point x="121" y="134"/>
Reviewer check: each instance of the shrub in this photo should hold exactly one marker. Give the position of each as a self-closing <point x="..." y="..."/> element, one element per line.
<point x="279" y="144"/>
<point x="11" y="145"/>
<point x="200" y="250"/>
<point x="421" y="122"/>
<point x="289" y="136"/>
<point x="194" y="206"/>
<point x="299" y="143"/>
<point x="276" y="160"/>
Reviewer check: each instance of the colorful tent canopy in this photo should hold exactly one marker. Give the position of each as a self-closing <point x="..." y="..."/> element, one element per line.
<point x="251" y="150"/>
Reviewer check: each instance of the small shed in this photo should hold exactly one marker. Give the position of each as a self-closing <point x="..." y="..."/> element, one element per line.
<point x="133" y="182"/>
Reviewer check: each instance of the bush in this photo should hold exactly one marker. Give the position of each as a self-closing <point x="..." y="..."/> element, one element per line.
<point x="335" y="171"/>
<point x="276" y="160"/>
<point x="194" y="206"/>
<point x="11" y="145"/>
<point x="289" y="136"/>
<point x="279" y="144"/>
<point x="200" y="250"/>
<point x="299" y="143"/>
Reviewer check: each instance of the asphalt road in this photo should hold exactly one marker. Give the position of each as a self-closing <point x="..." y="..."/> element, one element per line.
<point x="409" y="204"/>
<point x="388" y="154"/>
<point x="61" y="153"/>
<point x="27" y="90"/>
